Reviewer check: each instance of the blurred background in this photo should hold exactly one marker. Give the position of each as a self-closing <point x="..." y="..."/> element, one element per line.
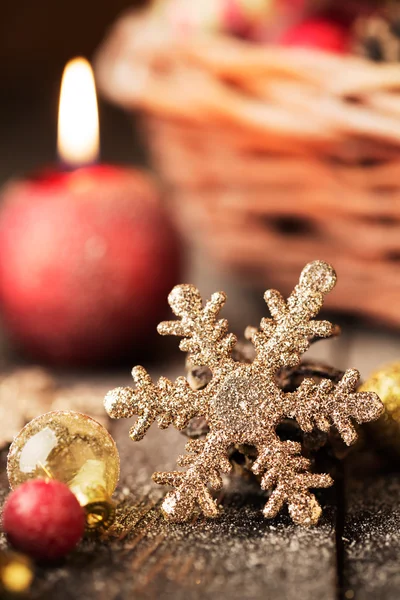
<point x="272" y="131"/>
<point x="36" y="41"/>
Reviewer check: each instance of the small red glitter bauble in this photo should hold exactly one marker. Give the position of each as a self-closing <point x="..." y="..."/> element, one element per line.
<point x="44" y="519"/>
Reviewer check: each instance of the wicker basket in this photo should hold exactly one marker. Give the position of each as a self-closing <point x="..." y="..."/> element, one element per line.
<point x="278" y="156"/>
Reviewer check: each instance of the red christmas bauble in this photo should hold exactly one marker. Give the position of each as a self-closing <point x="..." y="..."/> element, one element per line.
<point x="43" y="519"/>
<point x="87" y="259"/>
<point x="234" y="18"/>
<point x="320" y="33"/>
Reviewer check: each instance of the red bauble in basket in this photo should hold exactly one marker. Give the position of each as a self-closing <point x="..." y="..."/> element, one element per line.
<point x="320" y="33"/>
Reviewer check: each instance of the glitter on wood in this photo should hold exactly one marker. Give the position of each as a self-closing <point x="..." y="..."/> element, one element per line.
<point x="242" y="403"/>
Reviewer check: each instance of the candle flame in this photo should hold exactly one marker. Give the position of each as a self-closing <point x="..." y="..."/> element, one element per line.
<point x="78" y="118"/>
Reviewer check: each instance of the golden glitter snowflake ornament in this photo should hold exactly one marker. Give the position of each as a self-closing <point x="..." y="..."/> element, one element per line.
<point x="243" y="404"/>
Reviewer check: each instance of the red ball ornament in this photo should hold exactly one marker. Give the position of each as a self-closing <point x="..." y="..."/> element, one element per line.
<point x="87" y="259"/>
<point x="320" y="33"/>
<point x="43" y="519"/>
<point x="235" y="20"/>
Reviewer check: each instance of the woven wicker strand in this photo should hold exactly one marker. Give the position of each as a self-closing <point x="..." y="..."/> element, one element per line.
<point x="279" y="156"/>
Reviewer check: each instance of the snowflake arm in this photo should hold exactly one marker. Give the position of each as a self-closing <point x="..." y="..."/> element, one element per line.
<point x="204" y="335"/>
<point x="281" y="340"/>
<point x="325" y="404"/>
<point x="168" y="403"/>
<point x="205" y="460"/>
<point x="288" y="473"/>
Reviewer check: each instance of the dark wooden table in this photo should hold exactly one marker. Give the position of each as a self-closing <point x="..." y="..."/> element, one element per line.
<point x="352" y="553"/>
<point x="240" y="555"/>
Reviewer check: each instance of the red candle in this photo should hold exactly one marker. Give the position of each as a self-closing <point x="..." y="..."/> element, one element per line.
<point x="87" y="255"/>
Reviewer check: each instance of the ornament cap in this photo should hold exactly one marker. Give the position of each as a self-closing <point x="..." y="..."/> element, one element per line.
<point x="97" y="504"/>
<point x="99" y="511"/>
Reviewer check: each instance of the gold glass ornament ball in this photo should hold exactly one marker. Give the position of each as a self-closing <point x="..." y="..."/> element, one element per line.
<point x="16" y="572"/>
<point x="73" y="448"/>
<point x="386" y="383"/>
